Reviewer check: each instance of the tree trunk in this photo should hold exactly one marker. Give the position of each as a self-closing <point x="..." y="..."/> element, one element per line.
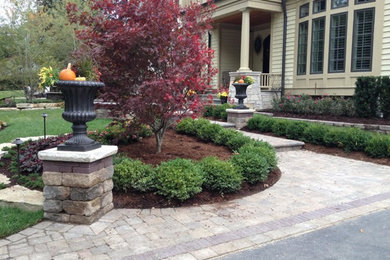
<point x="159" y="139"/>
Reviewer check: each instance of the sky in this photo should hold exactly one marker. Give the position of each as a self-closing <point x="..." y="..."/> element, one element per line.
<point x="4" y="6"/>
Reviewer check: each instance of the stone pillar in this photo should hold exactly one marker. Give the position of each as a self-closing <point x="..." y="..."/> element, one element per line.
<point x="239" y="117"/>
<point x="254" y="100"/>
<point x="78" y="185"/>
<point x="245" y="40"/>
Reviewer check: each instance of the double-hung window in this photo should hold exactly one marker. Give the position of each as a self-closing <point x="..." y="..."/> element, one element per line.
<point x="338" y="40"/>
<point x="317" y="45"/>
<point x="363" y="37"/>
<point x="302" y="48"/>
<point x="363" y="1"/>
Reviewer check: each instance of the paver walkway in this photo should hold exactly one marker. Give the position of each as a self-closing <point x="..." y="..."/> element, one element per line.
<point x="315" y="191"/>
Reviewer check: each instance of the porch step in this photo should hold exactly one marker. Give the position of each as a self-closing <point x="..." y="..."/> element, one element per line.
<point x="223" y="124"/>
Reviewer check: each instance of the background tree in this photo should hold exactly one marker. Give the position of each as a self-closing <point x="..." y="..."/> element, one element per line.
<point x="35" y="36"/>
<point x="152" y="57"/>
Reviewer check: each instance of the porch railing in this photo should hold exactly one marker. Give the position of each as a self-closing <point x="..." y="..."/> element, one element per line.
<point x="270" y="81"/>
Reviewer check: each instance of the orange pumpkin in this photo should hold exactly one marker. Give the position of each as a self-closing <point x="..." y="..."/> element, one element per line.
<point x="241" y="81"/>
<point x="67" y="74"/>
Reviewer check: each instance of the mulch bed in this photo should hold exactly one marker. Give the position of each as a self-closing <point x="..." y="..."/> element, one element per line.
<point x="358" y="120"/>
<point x="181" y="146"/>
<point x="332" y="150"/>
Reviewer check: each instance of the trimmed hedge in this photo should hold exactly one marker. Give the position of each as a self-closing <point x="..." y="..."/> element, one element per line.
<point x="349" y="139"/>
<point x="217" y="111"/>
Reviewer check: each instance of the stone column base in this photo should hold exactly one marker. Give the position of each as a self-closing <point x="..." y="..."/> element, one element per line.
<point x="78" y="185"/>
<point x="239" y="117"/>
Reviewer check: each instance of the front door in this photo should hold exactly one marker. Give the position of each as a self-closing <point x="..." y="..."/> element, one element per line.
<point x="266" y="53"/>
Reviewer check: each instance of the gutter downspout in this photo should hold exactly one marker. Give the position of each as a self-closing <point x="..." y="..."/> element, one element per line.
<point x="283" y="83"/>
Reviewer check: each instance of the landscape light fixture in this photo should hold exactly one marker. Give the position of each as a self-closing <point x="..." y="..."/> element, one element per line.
<point x="44" y="115"/>
<point x="18" y="142"/>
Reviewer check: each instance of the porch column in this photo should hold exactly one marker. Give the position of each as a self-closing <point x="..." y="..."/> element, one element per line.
<point x="245" y="41"/>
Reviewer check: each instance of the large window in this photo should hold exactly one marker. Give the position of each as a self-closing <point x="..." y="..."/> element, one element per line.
<point x="317" y="45"/>
<point x="339" y="3"/>
<point x="338" y="38"/>
<point x="363" y="33"/>
<point x="302" y="48"/>
<point x="319" y="6"/>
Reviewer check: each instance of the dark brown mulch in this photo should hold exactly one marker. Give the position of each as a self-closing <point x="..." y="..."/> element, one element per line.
<point x="174" y="146"/>
<point x="332" y="150"/>
<point x="4" y="169"/>
<point x="358" y="120"/>
<point x="151" y="200"/>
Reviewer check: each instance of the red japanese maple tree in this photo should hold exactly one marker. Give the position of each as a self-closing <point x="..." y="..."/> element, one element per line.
<point x="153" y="57"/>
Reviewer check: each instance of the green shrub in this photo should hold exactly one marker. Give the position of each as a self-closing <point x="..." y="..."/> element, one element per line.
<point x="378" y="146"/>
<point x="134" y="175"/>
<point x="186" y="126"/>
<point x="209" y="132"/>
<point x="314" y="133"/>
<point x="253" y="123"/>
<point x="219" y="175"/>
<point x="261" y="123"/>
<point x="262" y="149"/>
<point x="237" y="141"/>
<point x="220" y="111"/>
<point x="354" y="139"/>
<point x="198" y="124"/>
<point x="279" y="127"/>
<point x="179" y="179"/>
<point x="225" y="135"/>
<point x="266" y="123"/>
<point x="208" y="111"/>
<point x="384" y="97"/>
<point x="2" y="186"/>
<point x="252" y="166"/>
<point x="366" y="96"/>
<point x="295" y="129"/>
<point x="335" y="137"/>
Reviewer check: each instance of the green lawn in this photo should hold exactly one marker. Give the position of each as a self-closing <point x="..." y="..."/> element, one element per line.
<point x="14" y="220"/>
<point x="24" y="123"/>
<point x="11" y="93"/>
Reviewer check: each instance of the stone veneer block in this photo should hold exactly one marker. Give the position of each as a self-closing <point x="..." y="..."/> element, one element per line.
<point x="78" y="185"/>
<point x="239" y="117"/>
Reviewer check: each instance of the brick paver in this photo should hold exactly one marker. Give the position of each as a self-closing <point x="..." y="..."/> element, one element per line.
<point x="315" y="191"/>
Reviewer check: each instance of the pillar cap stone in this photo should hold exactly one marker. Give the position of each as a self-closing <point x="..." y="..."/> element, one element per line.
<point x="83" y="157"/>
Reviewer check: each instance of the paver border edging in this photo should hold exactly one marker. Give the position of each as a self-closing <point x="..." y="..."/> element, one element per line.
<point x="248" y="231"/>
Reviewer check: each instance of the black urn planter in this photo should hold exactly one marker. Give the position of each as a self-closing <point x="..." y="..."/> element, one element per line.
<point x="223" y="100"/>
<point x="79" y="110"/>
<point x="240" y="94"/>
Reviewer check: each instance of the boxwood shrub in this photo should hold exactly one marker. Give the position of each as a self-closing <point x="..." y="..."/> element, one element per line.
<point x="347" y="138"/>
<point x="134" y="175"/>
<point x="220" y="176"/>
<point x="179" y="179"/>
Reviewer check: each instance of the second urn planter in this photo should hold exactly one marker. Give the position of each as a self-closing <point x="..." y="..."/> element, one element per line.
<point x="240" y="94"/>
<point x="79" y="109"/>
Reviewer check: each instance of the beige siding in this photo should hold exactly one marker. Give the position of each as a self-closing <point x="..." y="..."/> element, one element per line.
<point x="277" y="43"/>
<point x="385" y="71"/>
<point x="230" y="50"/>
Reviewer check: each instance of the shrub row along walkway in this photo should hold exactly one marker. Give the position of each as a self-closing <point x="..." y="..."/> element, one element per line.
<point x="315" y="191"/>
